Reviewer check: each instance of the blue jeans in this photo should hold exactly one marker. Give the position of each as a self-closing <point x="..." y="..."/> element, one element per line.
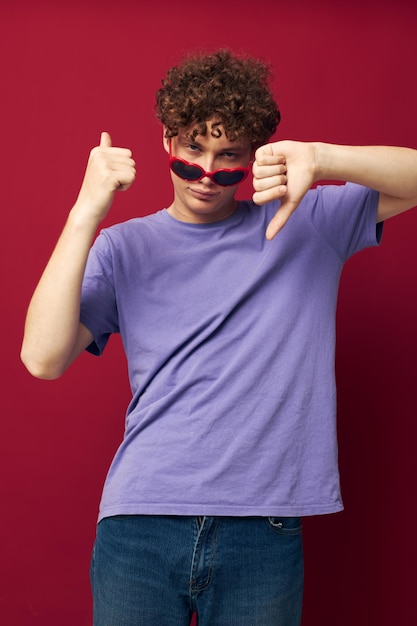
<point x="231" y="571"/>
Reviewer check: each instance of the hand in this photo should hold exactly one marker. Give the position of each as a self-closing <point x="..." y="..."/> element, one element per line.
<point x="283" y="170"/>
<point x="109" y="169"/>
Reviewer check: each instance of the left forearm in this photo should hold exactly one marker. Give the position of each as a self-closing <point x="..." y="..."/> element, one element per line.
<point x="389" y="170"/>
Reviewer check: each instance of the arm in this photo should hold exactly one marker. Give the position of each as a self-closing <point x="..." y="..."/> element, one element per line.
<point x="390" y="170"/>
<point x="53" y="335"/>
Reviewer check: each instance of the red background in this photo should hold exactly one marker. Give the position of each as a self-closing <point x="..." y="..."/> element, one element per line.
<point x="344" y="73"/>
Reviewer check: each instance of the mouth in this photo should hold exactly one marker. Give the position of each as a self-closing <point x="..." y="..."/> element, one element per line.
<point x="202" y="194"/>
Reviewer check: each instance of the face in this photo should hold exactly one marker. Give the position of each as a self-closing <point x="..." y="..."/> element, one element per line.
<point x="204" y="201"/>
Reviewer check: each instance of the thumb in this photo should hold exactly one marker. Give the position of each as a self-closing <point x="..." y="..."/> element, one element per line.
<point x="280" y="218"/>
<point x="105" y="140"/>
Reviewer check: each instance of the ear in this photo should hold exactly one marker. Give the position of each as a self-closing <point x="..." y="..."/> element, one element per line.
<point x="165" y="140"/>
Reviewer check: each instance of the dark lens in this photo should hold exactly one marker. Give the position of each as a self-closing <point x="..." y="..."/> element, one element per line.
<point x="188" y="172"/>
<point x="228" y="178"/>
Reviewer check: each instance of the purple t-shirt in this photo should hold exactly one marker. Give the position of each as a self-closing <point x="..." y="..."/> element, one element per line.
<point x="230" y="342"/>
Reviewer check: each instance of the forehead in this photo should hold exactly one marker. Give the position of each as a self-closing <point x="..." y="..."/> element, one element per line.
<point x="212" y="131"/>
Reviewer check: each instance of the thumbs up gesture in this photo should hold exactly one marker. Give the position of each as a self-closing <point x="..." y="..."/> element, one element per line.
<point x="109" y="169"/>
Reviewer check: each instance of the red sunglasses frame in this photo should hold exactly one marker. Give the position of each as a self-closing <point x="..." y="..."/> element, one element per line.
<point x="222" y="170"/>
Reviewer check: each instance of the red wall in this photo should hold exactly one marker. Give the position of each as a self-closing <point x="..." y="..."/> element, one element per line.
<point x="344" y="73"/>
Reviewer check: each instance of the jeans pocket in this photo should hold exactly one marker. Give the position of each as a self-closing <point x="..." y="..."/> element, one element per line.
<point x="285" y="525"/>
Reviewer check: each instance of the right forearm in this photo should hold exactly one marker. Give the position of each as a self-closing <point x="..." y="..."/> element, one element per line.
<point x="53" y="336"/>
<point x="52" y="322"/>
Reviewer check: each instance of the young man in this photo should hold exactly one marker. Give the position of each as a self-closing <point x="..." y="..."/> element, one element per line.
<point x="227" y="319"/>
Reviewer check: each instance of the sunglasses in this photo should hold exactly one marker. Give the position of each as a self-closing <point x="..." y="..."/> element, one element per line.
<point x="190" y="171"/>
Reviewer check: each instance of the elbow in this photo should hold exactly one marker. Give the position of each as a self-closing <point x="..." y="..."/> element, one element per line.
<point x="40" y="369"/>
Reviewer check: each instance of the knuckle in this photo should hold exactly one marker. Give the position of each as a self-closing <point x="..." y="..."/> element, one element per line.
<point x="94" y="152"/>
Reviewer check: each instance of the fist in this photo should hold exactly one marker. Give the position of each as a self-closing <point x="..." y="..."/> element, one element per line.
<point x="109" y="169"/>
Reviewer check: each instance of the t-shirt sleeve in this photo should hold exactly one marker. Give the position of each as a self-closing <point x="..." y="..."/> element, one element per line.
<point x="98" y="299"/>
<point x="345" y="215"/>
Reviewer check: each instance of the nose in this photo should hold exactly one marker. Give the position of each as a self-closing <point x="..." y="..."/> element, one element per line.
<point x="208" y="165"/>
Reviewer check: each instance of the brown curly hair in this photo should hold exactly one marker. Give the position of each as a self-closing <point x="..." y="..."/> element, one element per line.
<point x="233" y="90"/>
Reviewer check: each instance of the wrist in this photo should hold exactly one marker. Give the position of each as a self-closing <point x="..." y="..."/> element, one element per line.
<point x="333" y="161"/>
<point x="81" y="217"/>
<point x="322" y="161"/>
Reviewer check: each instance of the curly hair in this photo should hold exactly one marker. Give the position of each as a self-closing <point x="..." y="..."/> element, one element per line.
<point x="232" y="90"/>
